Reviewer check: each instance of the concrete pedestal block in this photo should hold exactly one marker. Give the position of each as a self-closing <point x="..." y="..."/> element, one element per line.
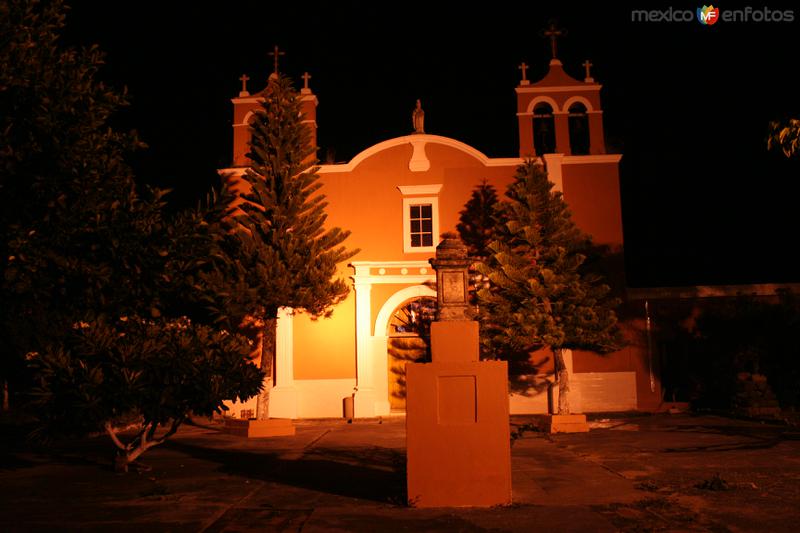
<point x="271" y="427"/>
<point x="457" y="434"/>
<point x="564" y="424"/>
<point x="454" y="340"/>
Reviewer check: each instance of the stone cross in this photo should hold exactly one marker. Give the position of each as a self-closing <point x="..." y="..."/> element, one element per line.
<point x="244" y="79"/>
<point x="306" y="76"/>
<point x="588" y="65"/>
<point x="524" y="68"/>
<point x="553" y="33"/>
<point x="276" y="53"/>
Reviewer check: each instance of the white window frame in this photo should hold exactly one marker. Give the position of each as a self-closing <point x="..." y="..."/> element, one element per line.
<point x="420" y="195"/>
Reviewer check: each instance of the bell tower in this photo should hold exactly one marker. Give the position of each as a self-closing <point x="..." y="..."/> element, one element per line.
<point x="559" y="114"/>
<point x="245" y="105"/>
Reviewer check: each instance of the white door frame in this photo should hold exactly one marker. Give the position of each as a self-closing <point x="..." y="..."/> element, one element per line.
<point x="372" y="369"/>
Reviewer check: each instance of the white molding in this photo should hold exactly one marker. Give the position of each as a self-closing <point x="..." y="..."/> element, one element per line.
<point x="322" y="398"/>
<point x="248" y="100"/>
<point x="553" y="164"/>
<point x="390" y="264"/>
<point x="420" y="200"/>
<point x="419" y="161"/>
<point x="577" y="98"/>
<point x="397" y="280"/>
<point x="283" y="397"/>
<point x="364" y="397"/>
<point x="394" y="301"/>
<point x="424" y="139"/>
<point x="591" y="159"/>
<point x="585" y="87"/>
<point x="246" y="119"/>
<point x="546" y="99"/>
<point x="412" y="190"/>
<point x="363" y="273"/>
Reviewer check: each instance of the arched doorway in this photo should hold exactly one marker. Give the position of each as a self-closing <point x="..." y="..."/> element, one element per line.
<point x="408" y="340"/>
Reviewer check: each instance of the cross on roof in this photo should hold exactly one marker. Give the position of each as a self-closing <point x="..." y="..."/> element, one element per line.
<point x="553" y="32"/>
<point x="276" y="54"/>
<point x="244" y="79"/>
<point x="588" y="65"/>
<point x="306" y="76"/>
<point x="524" y="68"/>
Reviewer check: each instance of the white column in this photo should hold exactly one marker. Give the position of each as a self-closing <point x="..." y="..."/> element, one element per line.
<point x="575" y="397"/>
<point x="283" y="397"/>
<point x="380" y="361"/>
<point x="365" y="395"/>
<point x="553" y="163"/>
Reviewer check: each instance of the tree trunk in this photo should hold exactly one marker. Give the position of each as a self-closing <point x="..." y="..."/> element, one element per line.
<point x="267" y="358"/>
<point x="144" y="440"/>
<point x="562" y="377"/>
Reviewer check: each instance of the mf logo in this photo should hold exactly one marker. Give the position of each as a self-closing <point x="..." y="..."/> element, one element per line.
<point x="707" y="15"/>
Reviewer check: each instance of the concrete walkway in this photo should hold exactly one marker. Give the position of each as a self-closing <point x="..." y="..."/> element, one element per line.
<point x="628" y="474"/>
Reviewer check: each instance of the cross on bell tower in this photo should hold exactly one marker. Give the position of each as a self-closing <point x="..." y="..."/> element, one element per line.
<point x="559" y="114"/>
<point x="276" y="53"/>
<point x="553" y="32"/>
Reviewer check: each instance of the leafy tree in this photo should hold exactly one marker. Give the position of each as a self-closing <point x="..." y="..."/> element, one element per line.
<point x="151" y="372"/>
<point x="283" y="256"/>
<point x="785" y="136"/>
<point x="538" y="294"/>
<point x="83" y="248"/>
<point x="60" y="164"/>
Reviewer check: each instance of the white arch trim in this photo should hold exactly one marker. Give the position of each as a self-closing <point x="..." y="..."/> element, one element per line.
<point x="417" y="140"/>
<point x="581" y="99"/>
<point x="545" y="99"/>
<point x="394" y="301"/>
<point x="246" y="119"/>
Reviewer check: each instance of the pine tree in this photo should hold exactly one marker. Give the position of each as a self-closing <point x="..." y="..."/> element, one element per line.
<point x="477" y="220"/>
<point x="538" y="295"/>
<point x="291" y="258"/>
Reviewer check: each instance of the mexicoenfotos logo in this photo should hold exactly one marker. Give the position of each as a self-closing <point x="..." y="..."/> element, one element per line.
<point x="708" y="15"/>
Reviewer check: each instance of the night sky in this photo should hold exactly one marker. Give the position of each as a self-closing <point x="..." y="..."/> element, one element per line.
<point x="688" y="105"/>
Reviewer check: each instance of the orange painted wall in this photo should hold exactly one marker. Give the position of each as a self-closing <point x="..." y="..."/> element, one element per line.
<point x="367" y="200"/>
<point x="326" y="348"/>
<point x="592" y="192"/>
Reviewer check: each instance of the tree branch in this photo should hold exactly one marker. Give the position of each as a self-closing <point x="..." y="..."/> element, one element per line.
<point x="111" y="433"/>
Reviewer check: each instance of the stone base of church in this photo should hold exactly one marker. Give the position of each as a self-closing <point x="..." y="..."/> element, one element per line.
<point x="271" y="427"/>
<point x="564" y="424"/>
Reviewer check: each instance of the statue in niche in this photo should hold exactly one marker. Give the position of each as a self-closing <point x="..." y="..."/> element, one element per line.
<point x="418" y="118"/>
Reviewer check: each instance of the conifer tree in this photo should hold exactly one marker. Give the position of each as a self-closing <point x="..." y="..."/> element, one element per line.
<point x="291" y="257"/>
<point x="477" y="220"/>
<point x="538" y="295"/>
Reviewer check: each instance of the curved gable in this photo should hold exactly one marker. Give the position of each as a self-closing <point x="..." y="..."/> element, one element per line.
<point x="419" y="160"/>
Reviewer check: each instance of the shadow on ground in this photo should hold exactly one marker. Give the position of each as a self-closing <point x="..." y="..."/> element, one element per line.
<point x="373" y="473"/>
<point x="748" y="437"/>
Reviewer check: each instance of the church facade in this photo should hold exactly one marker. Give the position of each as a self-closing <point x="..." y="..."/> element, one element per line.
<point x="397" y="197"/>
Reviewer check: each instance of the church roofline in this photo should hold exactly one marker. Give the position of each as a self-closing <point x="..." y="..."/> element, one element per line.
<point x="424" y="139"/>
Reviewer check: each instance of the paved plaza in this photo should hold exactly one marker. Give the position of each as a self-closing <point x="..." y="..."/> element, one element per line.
<point x="634" y="473"/>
